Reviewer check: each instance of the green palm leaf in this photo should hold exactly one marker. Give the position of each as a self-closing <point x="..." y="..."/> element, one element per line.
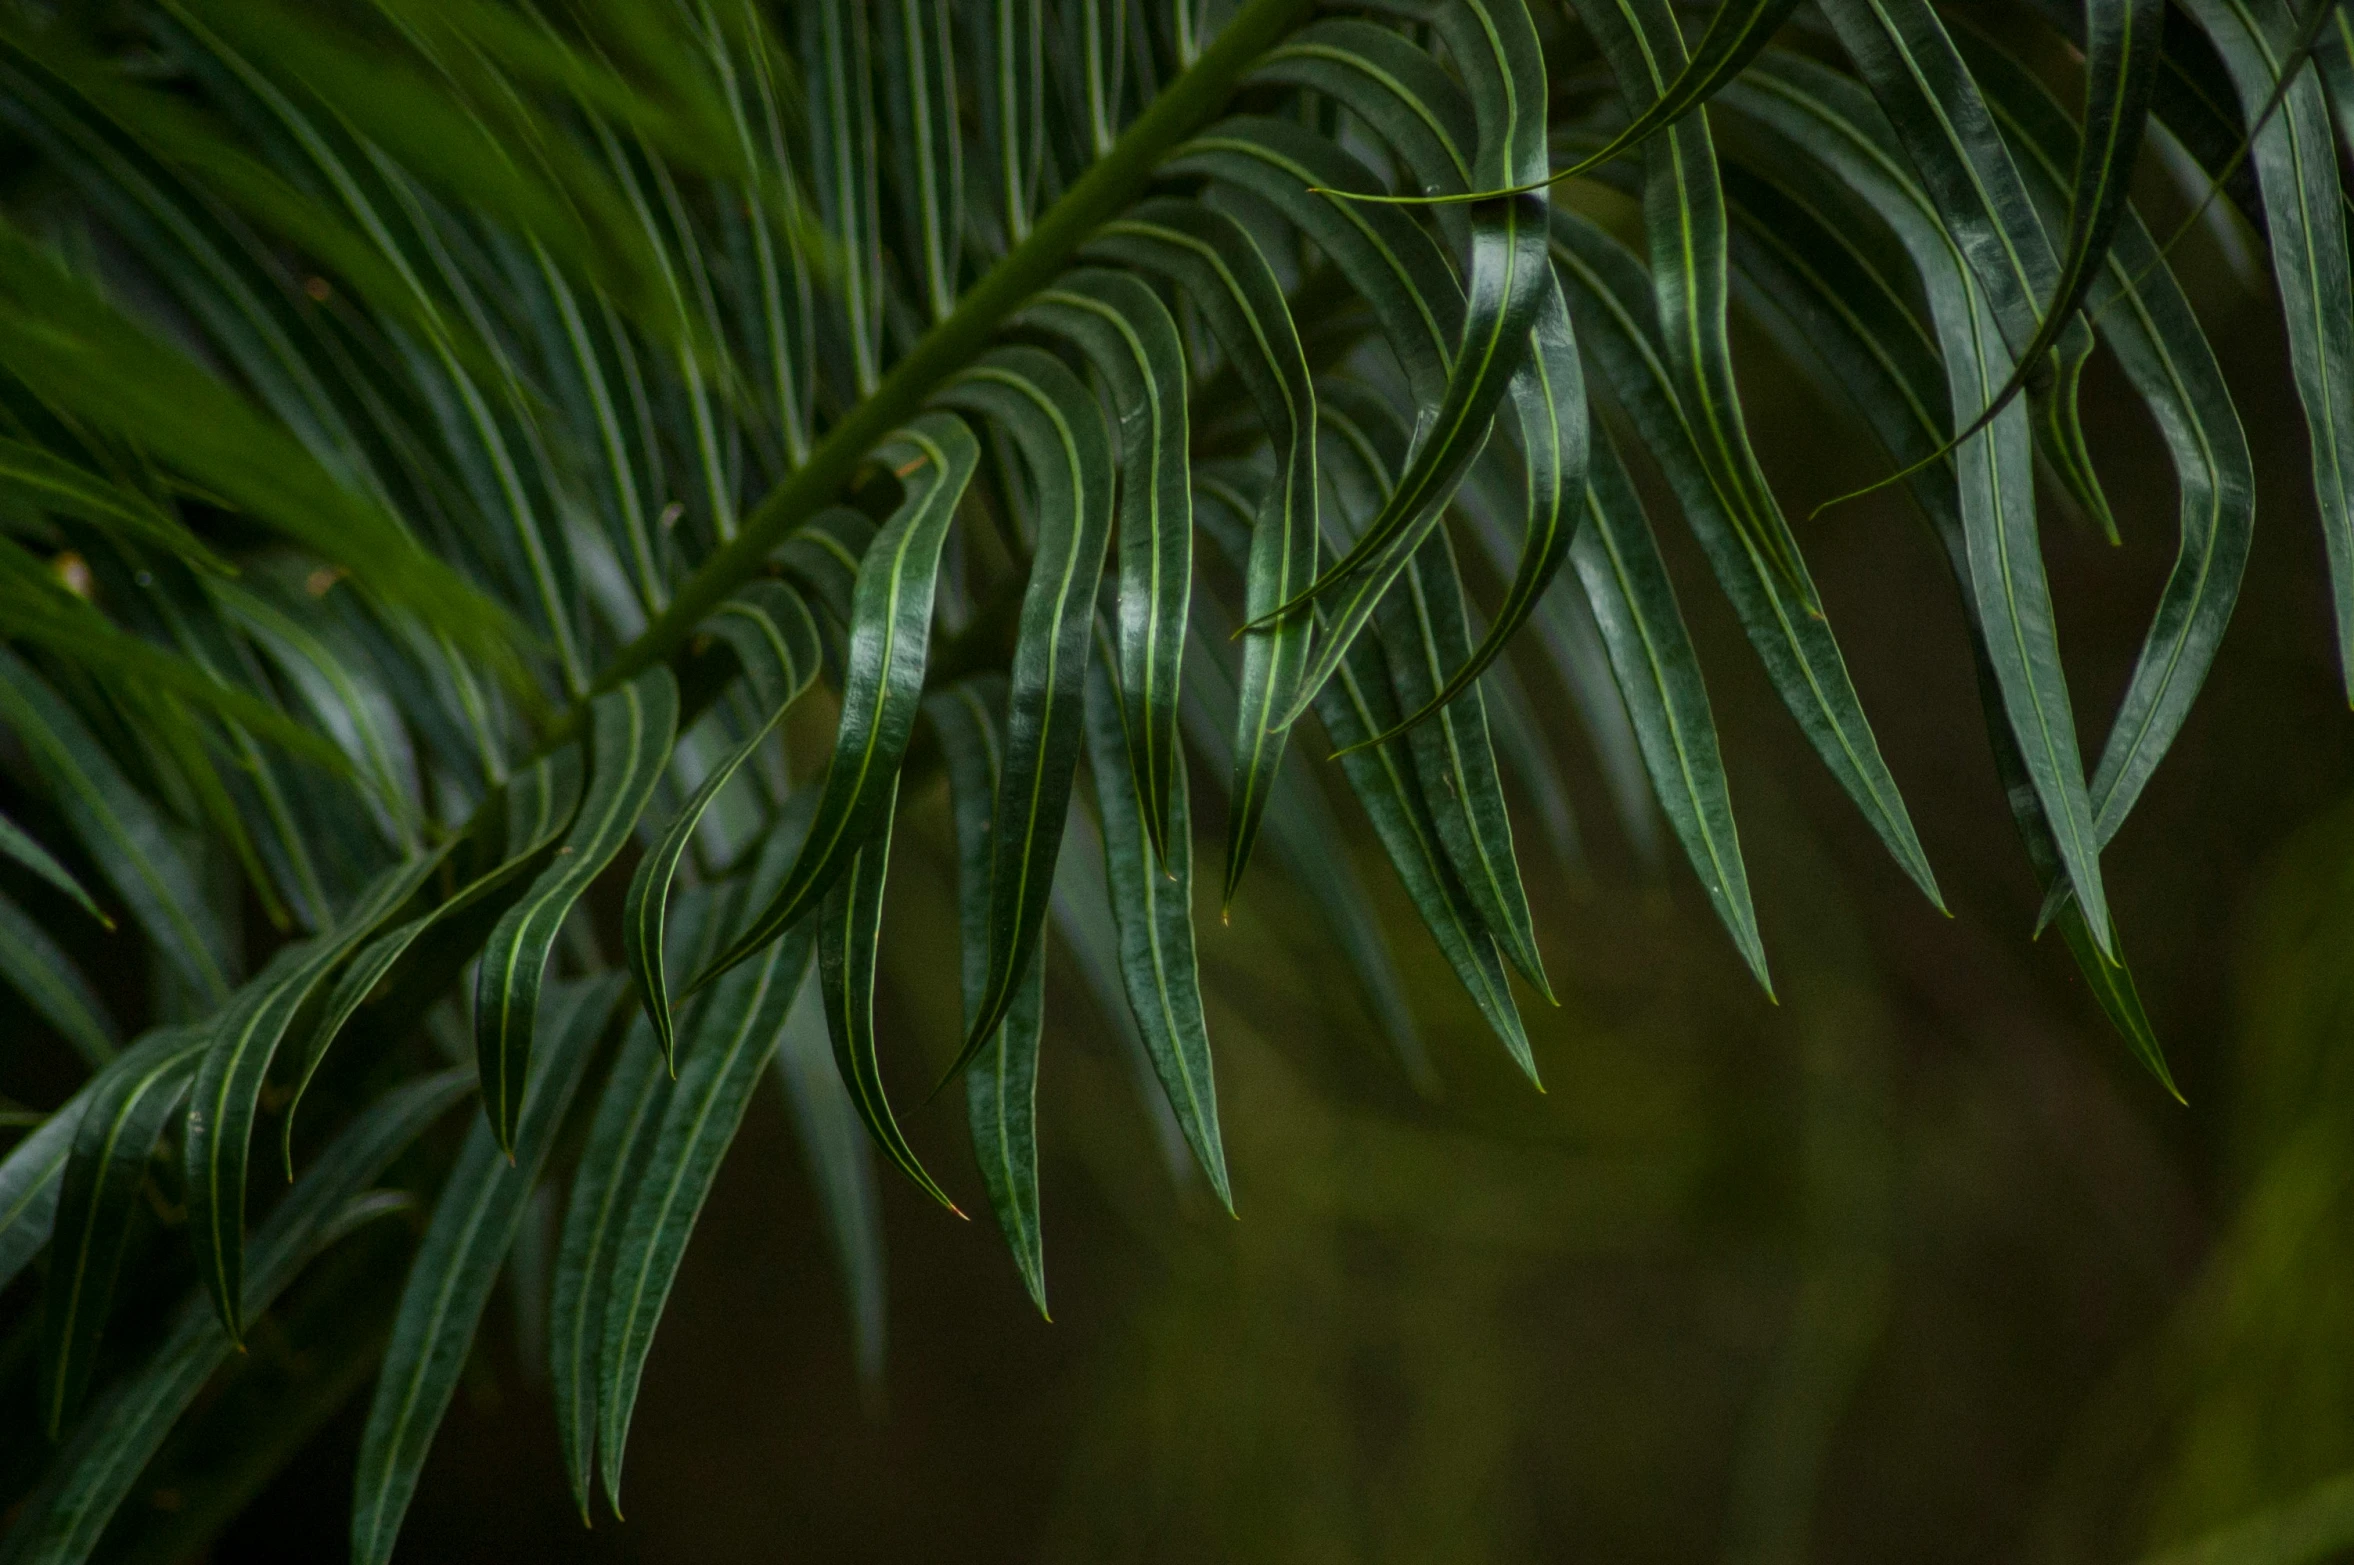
<point x="1152" y="904"/>
<point x="2296" y="169"/>
<point x="225" y="1099"/>
<point x="17" y="845"/>
<point x="849" y="931"/>
<point x="1001" y="1085"/>
<point x="890" y="621"/>
<point x="1066" y="449"/>
<point x="1229" y="281"/>
<point x="98" y="1465"/>
<point x="473" y="1227"/>
<point x="1305" y="834"/>
<point x="1826" y="279"/>
<point x="2004" y="563"/>
<point x="1423" y="636"/>
<point x="1356" y="704"/>
<point x="1506" y="285"/>
<point x="115" y="1135"/>
<point x="1658" y="673"/>
<point x="1132" y="345"/>
<point x="1684" y="222"/>
<point x="536" y="806"/>
<point x="2148" y="323"/>
<point x="727" y="1047"/>
<point x="42" y="974"/>
<point x="430" y="431"/>
<point x="629" y="742"/>
<point x="775" y="638"/>
<point x="1938" y="115"/>
<point x="1607" y="291"/>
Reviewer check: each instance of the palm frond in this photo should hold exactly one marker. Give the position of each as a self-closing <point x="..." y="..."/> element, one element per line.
<point x="457" y="461"/>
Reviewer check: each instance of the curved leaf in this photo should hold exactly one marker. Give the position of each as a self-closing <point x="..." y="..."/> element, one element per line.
<point x="473" y="1227"/>
<point x="1154" y="913"/>
<point x="2004" y="575"/>
<point x="1609" y="293"/>
<point x="1001" y="1085"/>
<point x="63" y="1520"/>
<point x="883" y="673"/>
<point x="1061" y="434"/>
<point x="2149" y="324"/>
<point x="1844" y="296"/>
<point x="1392" y="264"/>
<point x="1131" y="342"/>
<point x="535" y="806"/>
<point x="114" y="1138"/>
<point x="1401" y="93"/>
<point x="226" y="1097"/>
<point x="1221" y="270"/>
<point x="776" y="644"/>
<point x="2296" y="169"/>
<point x="32" y="965"/>
<point x="630" y="732"/>
<point x="729" y="1041"/>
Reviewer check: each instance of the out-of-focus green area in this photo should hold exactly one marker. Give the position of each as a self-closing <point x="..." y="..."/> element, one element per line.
<point x="1915" y="1264"/>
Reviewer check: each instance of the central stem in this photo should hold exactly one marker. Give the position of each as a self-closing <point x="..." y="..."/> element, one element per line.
<point x="1109" y="187"/>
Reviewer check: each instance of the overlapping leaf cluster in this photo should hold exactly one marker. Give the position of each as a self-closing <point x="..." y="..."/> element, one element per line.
<point x="444" y="441"/>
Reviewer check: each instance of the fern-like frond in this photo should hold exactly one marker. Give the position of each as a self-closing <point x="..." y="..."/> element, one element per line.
<point x="456" y="458"/>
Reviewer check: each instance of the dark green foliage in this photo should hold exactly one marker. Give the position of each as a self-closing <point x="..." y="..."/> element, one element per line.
<point x="445" y="449"/>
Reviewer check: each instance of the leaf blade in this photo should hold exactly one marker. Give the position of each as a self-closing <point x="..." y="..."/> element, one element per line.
<point x="630" y="734"/>
<point x="225" y="1099"/>
<point x="473" y="1227"/>
<point x="114" y="1137"/>
<point x="1154" y="915"/>
<point x="1064" y="443"/>
<point x="890" y="626"/>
